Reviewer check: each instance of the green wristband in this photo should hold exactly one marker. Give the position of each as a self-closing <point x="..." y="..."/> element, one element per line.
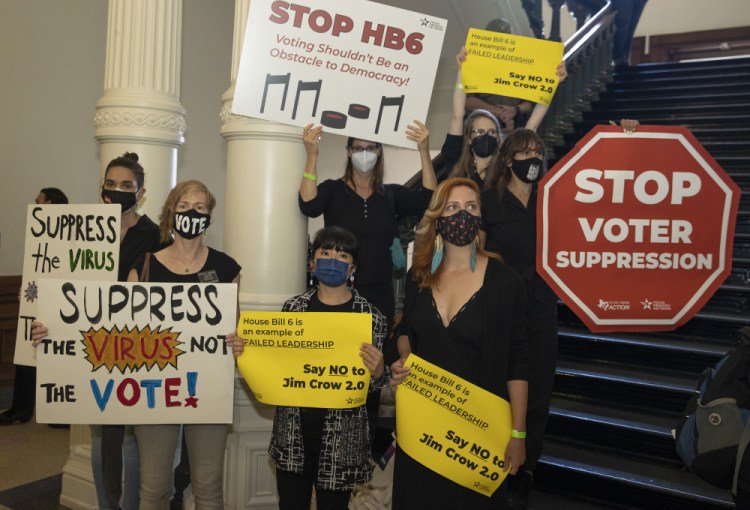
<point x="310" y="176"/>
<point x="517" y="434"/>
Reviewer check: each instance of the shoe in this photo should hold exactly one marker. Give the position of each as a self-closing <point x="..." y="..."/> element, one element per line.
<point x="12" y="416"/>
<point x="58" y="425"/>
<point x="519" y="489"/>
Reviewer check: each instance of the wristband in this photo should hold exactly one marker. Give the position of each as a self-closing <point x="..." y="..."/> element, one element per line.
<point x="459" y="86"/>
<point x="517" y="434"/>
<point x="310" y="177"/>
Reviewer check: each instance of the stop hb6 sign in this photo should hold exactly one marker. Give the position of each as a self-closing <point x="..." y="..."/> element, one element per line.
<point x="635" y="231"/>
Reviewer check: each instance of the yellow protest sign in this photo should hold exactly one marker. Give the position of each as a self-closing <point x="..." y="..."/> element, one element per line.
<point x="308" y="359"/>
<point x="511" y="65"/>
<point x="453" y="427"/>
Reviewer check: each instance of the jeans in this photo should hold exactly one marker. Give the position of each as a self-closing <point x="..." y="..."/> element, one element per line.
<point x="156" y="447"/>
<point x="110" y="446"/>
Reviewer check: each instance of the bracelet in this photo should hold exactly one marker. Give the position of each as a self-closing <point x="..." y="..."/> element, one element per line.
<point x="459" y="86"/>
<point x="309" y="176"/>
<point x="517" y="434"/>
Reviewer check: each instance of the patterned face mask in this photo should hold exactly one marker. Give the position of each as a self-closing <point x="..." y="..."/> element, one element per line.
<point x="458" y="229"/>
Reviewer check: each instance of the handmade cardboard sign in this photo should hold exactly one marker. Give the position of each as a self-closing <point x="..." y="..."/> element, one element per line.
<point x="140" y="353"/>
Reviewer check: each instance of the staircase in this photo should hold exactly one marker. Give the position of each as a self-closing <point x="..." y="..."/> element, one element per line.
<point x="618" y="396"/>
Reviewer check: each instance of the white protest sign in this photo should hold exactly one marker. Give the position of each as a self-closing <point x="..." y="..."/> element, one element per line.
<point x="140" y="353"/>
<point x="64" y="241"/>
<point x="359" y="68"/>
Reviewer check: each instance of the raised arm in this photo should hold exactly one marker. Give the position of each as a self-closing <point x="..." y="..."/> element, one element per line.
<point x="308" y="188"/>
<point x="459" y="98"/>
<point x="540" y="110"/>
<point x="419" y="133"/>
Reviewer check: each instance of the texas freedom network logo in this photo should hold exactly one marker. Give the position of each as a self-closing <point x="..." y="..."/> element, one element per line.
<point x="434" y="25"/>
<point x="657" y="305"/>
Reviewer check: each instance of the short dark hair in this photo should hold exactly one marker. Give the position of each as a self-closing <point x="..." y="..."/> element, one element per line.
<point x="336" y="238"/>
<point x="54" y="195"/>
<point x="129" y="160"/>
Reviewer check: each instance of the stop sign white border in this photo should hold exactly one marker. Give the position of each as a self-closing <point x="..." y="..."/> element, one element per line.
<point x="726" y="218"/>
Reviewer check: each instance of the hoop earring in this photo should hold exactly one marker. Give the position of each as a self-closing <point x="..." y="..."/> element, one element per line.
<point x="473" y="257"/>
<point x="437" y="254"/>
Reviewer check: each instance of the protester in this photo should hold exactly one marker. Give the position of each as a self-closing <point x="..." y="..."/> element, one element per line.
<point x="186" y="260"/>
<point x="24" y="385"/>
<point x="509" y="220"/>
<point x="463" y="311"/>
<point x="328" y="448"/>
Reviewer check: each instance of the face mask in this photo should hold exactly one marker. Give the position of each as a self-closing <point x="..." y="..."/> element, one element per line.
<point x="458" y="229"/>
<point x="528" y="170"/>
<point x="331" y="272"/>
<point x="190" y="224"/>
<point x="364" y="161"/>
<point x="126" y="199"/>
<point x="483" y="146"/>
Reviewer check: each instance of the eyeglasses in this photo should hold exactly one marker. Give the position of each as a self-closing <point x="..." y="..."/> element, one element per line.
<point x="111" y="184"/>
<point x="370" y="148"/>
<point x="481" y="132"/>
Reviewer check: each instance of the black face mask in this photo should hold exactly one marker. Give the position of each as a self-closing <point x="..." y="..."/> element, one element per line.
<point x="483" y="146"/>
<point x="190" y="224"/>
<point x="126" y="199"/>
<point x="528" y="170"/>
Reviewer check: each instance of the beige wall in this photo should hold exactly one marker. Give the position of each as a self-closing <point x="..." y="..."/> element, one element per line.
<point x="52" y="52"/>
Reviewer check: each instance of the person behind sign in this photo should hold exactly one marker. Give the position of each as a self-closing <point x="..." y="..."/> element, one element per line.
<point x="328" y="448"/>
<point x="471" y="145"/>
<point x="509" y="220"/>
<point x="113" y="446"/>
<point x="463" y="311"/>
<point x="185" y="216"/>
<point x="24" y="384"/>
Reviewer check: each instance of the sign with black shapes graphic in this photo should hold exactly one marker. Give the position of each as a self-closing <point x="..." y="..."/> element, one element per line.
<point x="358" y="68"/>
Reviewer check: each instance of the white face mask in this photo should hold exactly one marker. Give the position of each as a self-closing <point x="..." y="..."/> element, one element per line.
<point x="364" y="161"/>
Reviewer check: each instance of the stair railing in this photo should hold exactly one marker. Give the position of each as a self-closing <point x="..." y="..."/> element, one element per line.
<point x="588" y="58"/>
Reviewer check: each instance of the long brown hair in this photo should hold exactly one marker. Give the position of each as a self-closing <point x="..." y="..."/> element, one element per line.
<point x="376" y="176"/>
<point x="424" y="244"/>
<point x="166" y="219"/>
<point x="499" y="175"/>
<point x="465" y="164"/>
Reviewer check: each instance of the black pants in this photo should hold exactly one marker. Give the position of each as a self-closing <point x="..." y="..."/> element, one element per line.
<point x="295" y="491"/>
<point x="24" y="389"/>
<point x="542" y="345"/>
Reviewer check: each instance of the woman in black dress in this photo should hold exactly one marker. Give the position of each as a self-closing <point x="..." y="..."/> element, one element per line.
<point x="464" y="311"/>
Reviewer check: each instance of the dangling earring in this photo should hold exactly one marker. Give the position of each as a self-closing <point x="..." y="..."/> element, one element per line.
<point x="351" y="280"/>
<point x="473" y="257"/>
<point x="437" y="254"/>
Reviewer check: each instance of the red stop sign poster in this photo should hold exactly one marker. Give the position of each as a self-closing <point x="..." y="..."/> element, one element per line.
<point x="635" y="231"/>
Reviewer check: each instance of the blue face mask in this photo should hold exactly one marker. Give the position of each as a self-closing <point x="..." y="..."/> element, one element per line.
<point x="331" y="272"/>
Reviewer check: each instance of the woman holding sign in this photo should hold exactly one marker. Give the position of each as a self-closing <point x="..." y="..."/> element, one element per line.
<point x="471" y="145"/>
<point x="185" y="217"/>
<point x="113" y="446"/>
<point x="328" y="448"/>
<point x="463" y="311"/>
<point x="362" y="204"/>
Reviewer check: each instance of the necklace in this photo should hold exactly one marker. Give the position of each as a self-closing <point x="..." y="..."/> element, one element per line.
<point x="188" y="264"/>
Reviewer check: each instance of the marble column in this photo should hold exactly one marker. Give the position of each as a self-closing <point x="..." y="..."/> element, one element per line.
<point x="139" y="112"/>
<point x="266" y="233"/>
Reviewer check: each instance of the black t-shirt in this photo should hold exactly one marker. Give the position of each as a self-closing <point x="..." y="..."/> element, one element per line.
<point x="219" y="268"/>
<point x="140" y="238"/>
<point x="371" y="220"/>
<point x="314" y="417"/>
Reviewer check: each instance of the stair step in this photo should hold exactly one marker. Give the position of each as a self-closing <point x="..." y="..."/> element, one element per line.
<point x="625" y="483"/>
<point x="605" y="383"/>
<point x="643" y="435"/>
<point x="668" y="100"/>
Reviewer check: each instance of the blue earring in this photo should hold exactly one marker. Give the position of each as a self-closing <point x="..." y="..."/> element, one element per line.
<point x="437" y="254"/>
<point x="473" y="258"/>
